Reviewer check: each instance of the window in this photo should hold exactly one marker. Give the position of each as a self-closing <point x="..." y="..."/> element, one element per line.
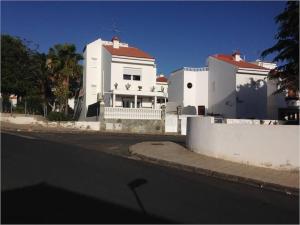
<point x="189" y="85"/>
<point x="132" y="74"/>
<point x="126" y="77"/>
<point x="136" y="77"/>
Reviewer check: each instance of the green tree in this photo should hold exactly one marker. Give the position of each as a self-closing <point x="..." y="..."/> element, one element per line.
<point x="15" y="74"/>
<point x="287" y="49"/>
<point x="64" y="68"/>
<point x="23" y="71"/>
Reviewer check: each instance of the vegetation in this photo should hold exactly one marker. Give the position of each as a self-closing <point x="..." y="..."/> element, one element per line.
<point x="63" y="64"/>
<point x="287" y="49"/>
<point x="58" y="116"/>
<point x="39" y="79"/>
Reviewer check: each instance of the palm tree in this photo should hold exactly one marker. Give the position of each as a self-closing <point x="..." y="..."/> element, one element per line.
<point x="63" y="64"/>
<point x="287" y="48"/>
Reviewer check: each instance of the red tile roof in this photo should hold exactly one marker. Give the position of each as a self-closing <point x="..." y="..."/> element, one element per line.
<point x="240" y="64"/>
<point x="127" y="51"/>
<point x="161" y="79"/>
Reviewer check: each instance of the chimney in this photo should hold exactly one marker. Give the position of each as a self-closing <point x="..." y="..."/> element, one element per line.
<point x="116" y="42"/>
<point x="237" y="56"/>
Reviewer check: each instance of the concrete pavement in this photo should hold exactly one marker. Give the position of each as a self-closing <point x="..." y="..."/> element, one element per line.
<point x="171" y="154"/>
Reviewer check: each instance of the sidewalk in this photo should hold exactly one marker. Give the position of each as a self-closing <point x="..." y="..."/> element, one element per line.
<point x="171" y="154"/>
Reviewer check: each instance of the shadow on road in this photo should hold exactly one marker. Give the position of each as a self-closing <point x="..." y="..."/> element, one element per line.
<point x="43" y="203"/>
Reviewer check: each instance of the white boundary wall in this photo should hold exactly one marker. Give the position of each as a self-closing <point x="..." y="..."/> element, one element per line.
<point x="38" y="120"/>
<point x="171" y="121"/>
<point x="273" y="146"/>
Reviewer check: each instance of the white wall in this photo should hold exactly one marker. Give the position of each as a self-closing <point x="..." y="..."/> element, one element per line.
<point x="171" y="123"/>
<point x="274" y="101"/>
<point x="175" y="89"/>
<point x="198" y="93"/>
<point x="273" y="146"/>
<point x="251" y="96"/>
<point x="148" y="76"/>
<point x="39" y="120"/>
<point x="184" y="96"/>
<point x="106" y="69"/>
<point x="190" y="94"/>
<point x="92" y="68"/>
<point x="221" y="88"/>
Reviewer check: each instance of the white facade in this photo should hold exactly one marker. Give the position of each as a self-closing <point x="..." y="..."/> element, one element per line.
<point x="121" y="75"/>
<point x="188" y="88"/>
<point x="221" y="88"/>
<point x="229" y="86"/>
<point x="241" y="92"/>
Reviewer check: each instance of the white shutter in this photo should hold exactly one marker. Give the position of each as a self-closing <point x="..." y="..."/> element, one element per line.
<point x="132" y="71"/>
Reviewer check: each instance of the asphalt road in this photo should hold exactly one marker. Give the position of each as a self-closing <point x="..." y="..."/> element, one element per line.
<point x="71" y="178"/>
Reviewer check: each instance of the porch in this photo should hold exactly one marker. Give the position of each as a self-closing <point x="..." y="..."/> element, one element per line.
<point x="135" y="99"/>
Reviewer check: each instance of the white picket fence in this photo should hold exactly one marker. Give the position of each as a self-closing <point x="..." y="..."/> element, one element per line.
<point x="132" y="113"/>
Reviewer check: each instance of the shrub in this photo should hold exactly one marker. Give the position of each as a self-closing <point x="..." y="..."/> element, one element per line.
<point x="19" y="109"/>
<point x="58" y="116"/>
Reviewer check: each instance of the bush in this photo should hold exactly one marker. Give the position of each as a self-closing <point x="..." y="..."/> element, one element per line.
<point x="58" y="116"/>
<point x="19" y="109"/>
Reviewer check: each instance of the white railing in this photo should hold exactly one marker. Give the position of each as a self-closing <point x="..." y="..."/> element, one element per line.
<point x="132" y="113"/>
<point x="195" y="69"/>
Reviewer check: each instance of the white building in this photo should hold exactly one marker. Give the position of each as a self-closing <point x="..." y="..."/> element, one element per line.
<point x="268" y="65"/>
<point x="188" y="88"/>
<point x="239" y="89"/>
<point x="162" y="86"/>
<point x="229" y="86"/>
<point x="121" y="75"/>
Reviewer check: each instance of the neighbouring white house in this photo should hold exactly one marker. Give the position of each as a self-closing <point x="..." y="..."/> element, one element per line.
<point x="120" y="75"/>
<point x="240" y="89"/>
<point x="188" y="88"/>
<point x="162" y="86"/>
<point x="229" y="86"/>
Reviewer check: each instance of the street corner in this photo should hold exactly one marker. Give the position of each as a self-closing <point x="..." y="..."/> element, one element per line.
<point x="153" y="147"/>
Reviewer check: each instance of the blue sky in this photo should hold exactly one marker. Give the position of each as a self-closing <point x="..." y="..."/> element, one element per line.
<point x="176" y="33"/>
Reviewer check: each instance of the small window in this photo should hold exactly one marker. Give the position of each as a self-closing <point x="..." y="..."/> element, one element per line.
<point x="126" y="77"/>
<point x="136" y="77"/>
<point x="189" y="85"/>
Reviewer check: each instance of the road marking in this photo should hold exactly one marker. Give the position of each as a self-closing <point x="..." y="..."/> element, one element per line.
<point x="20" y="135"/>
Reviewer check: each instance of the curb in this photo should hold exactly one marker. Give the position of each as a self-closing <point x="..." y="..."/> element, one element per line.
<point x="219" y="175"/>
<point x="68" y="130"/>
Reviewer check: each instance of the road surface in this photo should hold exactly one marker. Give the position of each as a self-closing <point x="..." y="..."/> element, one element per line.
<point x="90" y="178"/>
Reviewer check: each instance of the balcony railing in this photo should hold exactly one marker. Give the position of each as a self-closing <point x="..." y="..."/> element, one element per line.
<point x="132" y="113"/>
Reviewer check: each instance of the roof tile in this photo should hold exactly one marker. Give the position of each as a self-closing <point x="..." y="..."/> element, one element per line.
<point x="127" y="51"/>
<point x="240" y="64"/>
<point x="161" y="79"/>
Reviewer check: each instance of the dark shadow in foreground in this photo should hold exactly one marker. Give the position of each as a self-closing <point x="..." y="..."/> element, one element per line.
<point x="43" y="203"/>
